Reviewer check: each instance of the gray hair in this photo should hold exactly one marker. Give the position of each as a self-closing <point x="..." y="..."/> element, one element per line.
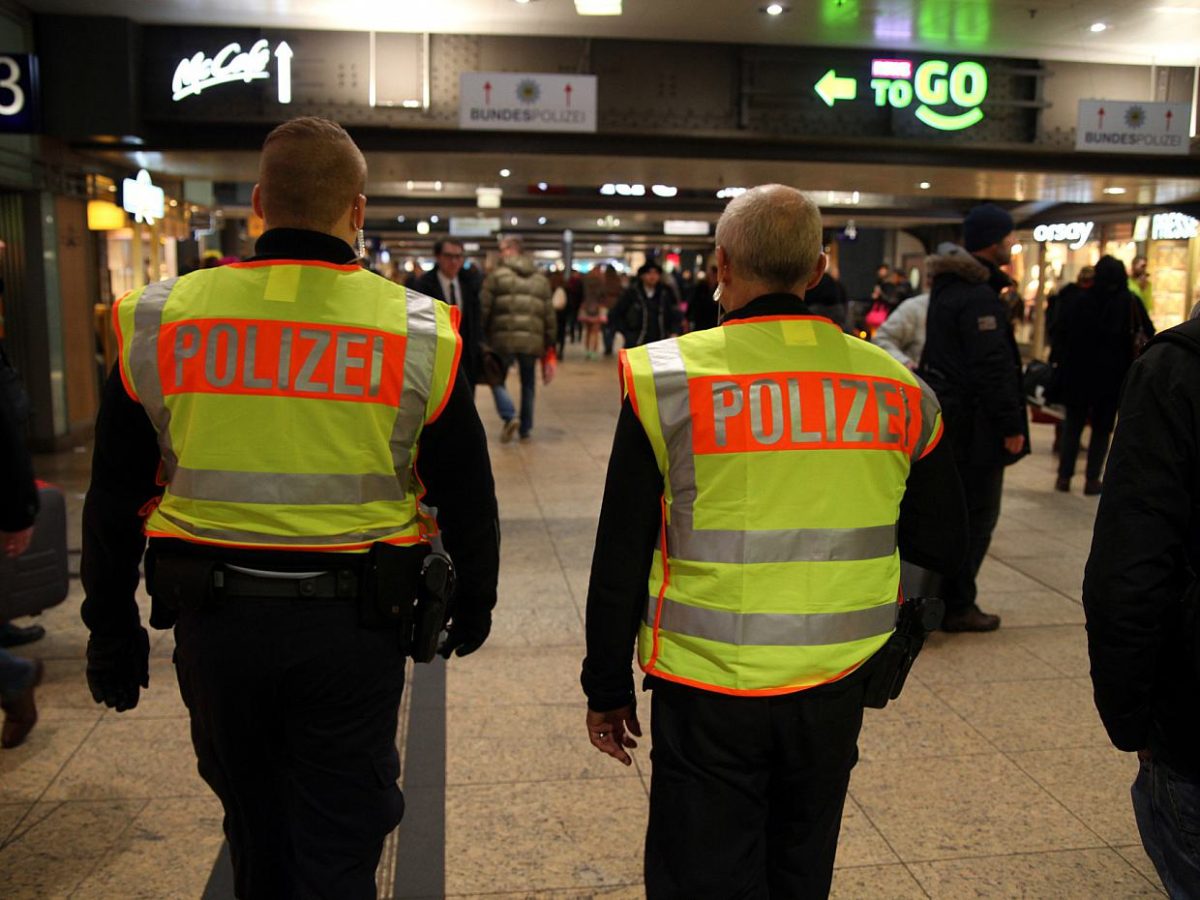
<point x="771" y="235"/>
<point x="514" y="240"/>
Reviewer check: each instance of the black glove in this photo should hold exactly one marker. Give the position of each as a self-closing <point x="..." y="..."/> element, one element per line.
<point x="466" y="635"/>
<point x="116" y="666"/>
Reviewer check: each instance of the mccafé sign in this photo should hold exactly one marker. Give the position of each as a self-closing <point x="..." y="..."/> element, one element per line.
<point x="199" y="72"/>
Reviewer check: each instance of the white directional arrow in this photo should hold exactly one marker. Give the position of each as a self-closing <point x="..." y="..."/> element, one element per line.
<point x="283" y="54"/>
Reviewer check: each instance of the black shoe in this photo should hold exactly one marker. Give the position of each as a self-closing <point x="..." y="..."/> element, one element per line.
<point x="14" y="635"/>
<point x="1063" y="484"/>
<point x="1093" y="487"/>
<point x="20" y="712"/>
<point x="969" y="618"/>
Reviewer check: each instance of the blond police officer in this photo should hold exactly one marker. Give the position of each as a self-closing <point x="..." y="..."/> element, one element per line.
<point x="765" y="477"/>
<point x="262" y="428"/>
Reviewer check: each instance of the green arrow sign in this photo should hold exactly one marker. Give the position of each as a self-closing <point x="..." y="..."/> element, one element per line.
<point x="831" y="88"/>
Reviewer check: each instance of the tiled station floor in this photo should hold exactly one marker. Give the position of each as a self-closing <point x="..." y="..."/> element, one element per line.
<point x="991" y="777"/>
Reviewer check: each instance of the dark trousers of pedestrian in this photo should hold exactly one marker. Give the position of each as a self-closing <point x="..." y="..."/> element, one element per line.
<point x="746" y="793"/>
<point x="983" y="487"/>
<point x="527" y="367"/>
<point x="293" y="710"/>
<point x="560" y="341"/>
<point x="1166" y="805"/>
<point x="610" y="337"/>
<point x="1103" y="416"/>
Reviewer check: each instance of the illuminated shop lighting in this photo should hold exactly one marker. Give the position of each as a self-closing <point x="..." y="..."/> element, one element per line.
<point x="664" y="190"/>
<point x="1098" y="27"/>
<point x="422" y="227"/>
<point x="598" y="7"/>
<point x="504" y="173"/>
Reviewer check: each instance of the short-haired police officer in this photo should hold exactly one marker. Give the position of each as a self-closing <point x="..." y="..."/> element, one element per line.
<point x="765" y="476"/>
<point x="262" y="428"/>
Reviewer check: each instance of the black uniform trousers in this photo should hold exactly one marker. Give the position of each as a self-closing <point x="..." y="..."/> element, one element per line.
<point x="983" y="487"/>
<point x="746" y="793"/>
<point x="293" y="711"/>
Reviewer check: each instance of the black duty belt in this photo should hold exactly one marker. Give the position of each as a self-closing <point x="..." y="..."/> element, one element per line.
<point x="340" y="584"/>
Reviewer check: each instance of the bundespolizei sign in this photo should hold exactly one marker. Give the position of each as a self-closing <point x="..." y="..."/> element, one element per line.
<point x="1120" y="126"/>
<point x="508" y="101"/>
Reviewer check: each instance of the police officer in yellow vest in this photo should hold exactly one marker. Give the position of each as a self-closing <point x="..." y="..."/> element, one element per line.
<point x="262" y="427"/>
<point x="765" y="477"/>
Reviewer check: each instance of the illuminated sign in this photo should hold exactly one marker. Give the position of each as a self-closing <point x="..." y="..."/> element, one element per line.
<point x="1075" y="234"/>
<point x="526" y="101"/>
<point x="1120" y="126"/>
<point x="932" y="85"/>
<point x="143" y="198"/>
<point x="198" y="73"/>
<point x="18" y="89"/>
<point x="694" y="227"/>
<point x="1174" y="227"/>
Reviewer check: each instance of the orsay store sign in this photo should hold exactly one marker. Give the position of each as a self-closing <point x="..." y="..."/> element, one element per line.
<point x="1075" y="234"/>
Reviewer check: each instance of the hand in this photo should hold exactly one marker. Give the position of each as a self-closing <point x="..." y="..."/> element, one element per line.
<point x="465" y="635"/>
<point x="1014" y="444"/>
<point x="16" y="542"/>
<point x="117" y="667"/>
<point x="607" y="732"/>
<point x="549" y="366"/>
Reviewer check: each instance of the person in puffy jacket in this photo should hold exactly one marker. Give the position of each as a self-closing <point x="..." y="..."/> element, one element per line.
<point x="903" y="332"/>
<point x="520" y="324"/>
<point x="972" y="362"/>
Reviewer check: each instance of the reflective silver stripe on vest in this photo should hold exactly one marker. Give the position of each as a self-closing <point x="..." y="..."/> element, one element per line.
<point x="420" y="354"/>
<point x="782" y="546"/>
<point x="143" y="365"/>
<point x="287" y="488"/>
<point x="929" y="413"/>
<point x="675" y="421"/>
<point x="255" y="538"/>
<point x="772" y="629"/>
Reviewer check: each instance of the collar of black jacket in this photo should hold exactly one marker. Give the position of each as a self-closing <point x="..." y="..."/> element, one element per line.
<point x="298" y="243"/>
<point x="997" y="278"/>
<point x="771" y="305"/>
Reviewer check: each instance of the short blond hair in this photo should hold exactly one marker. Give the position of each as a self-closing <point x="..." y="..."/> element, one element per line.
<point x="772" y="235"/>
<point x="309" y="174"/>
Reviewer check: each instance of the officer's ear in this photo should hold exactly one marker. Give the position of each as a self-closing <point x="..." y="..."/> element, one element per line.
<point x="256" y="202"/>
<point x="358" y="212"/>
<point x="818" y="272"/>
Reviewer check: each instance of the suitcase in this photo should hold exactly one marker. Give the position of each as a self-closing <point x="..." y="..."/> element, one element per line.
<point x="38" y="579"/>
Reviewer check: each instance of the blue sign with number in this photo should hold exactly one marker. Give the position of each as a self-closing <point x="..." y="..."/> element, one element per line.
<point x="18" y="93"/>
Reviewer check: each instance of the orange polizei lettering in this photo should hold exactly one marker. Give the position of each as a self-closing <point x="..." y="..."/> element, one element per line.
<point x="802" y="411"/>
<point x="288" y="359"/>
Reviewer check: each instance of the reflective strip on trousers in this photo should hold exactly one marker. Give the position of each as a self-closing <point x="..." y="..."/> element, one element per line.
<point x="253" y="538"/>
<point x="782" y="546"/>
<point x="143" y="366"/>
<point x="772" y="629"/>
<point x="286" y="488"/>
<point x="420" y="354"/>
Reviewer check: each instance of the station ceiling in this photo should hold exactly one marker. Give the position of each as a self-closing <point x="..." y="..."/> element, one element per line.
<point x="907" y="191"/>
<point x="1165" y="32"/>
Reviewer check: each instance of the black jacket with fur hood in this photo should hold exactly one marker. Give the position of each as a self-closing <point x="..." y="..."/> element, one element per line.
<point x="971" y="358"/>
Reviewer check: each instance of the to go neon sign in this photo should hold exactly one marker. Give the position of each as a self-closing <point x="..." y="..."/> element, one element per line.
<point x="934" y="83"/>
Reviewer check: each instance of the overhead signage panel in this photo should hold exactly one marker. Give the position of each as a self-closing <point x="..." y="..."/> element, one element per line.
<point x="18" y="93"/>
<point x="470" y="226"/>
<point x="943" y="96"/>
<point x="526" y="101"/>
<point x="1120" y="126"/>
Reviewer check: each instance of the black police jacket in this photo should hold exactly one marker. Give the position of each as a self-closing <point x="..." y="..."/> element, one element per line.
<point x="971" y="359"/>
<point x="1140" y="591"/>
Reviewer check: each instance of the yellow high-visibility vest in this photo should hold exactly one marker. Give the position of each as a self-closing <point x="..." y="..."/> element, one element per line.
<point x="785" y="446"/>
<point x="288" y="397"/>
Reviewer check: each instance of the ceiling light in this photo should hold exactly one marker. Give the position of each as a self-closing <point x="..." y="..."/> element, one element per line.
<point x="512" y="221"/>
<point x="437" y="185"/>
<point x="855" y="197"/>
<point x="521" y="2"/>
<point x="607" y="190"/>
<point x="600" y="222"/>
<point x="775" y="9"/>
<point x="1098" y="27"/>
<point x="598" y="249"/>
<point x="400" y="219"/>
<point x="1114" y="190"/>
<point x="598" y="7"/>
<point x="924" y="185"/>
<point x="422" y="227"/>
<point x="730" y="192"/>
<point x="664" y="190"/>
<point x="542" y="186"/>
<point x="504" y="173"/>
<point x="434" y="219"/>
<point x="541" y="220"/>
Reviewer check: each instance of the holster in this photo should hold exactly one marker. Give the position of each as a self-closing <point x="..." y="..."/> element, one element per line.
<point x="177" y="583"/>
<point x="388" y="597"/>
<point x="889" y="668"/>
